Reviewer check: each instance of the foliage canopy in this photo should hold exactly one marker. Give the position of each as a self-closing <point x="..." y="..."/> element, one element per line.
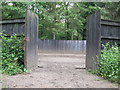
<point x="61" y="20"/>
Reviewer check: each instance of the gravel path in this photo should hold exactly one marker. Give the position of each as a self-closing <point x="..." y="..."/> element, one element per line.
<point x="59" y="71"/>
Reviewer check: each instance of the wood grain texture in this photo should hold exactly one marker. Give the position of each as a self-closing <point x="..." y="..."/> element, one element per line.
<point x="11" y="27"/>
<point x="72" y="46"/>
<point x="31" y="40"/>
<point x="110" y="32"/>
<point x="93" y="41"/>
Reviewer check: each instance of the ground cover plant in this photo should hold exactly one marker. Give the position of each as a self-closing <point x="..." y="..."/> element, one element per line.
<point x="12" y="54"/>
<point x="109" y="63"/>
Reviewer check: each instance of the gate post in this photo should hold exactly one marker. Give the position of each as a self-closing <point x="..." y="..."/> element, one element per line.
<point x="93" y="40"/>
<point x="31" y="35"/>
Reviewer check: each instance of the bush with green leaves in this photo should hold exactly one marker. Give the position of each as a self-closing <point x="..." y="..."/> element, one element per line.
<point x="12" y="54"/>
<point x="109" y="63"/>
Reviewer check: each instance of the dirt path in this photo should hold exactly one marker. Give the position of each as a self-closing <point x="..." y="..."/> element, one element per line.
<point x="60" y="71"/>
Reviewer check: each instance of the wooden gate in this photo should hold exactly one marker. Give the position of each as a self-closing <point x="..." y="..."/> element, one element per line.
<point x="99" y="32"/>
<point x="31" y="40"/>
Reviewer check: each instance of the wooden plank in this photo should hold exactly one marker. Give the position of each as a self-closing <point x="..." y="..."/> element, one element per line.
<point x="110" y="31"/>
<point x="31" y="40"/>
<point x="93" y="41"/>
<point x="103" y="37"/>
<point x="16" y="28"/>
<point x="12" y="21"/>
<point x="110" y="23"/>
<point x="111" y="41"/>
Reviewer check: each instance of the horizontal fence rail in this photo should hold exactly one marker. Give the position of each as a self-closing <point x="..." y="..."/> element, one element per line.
<point x="71" y="46"/>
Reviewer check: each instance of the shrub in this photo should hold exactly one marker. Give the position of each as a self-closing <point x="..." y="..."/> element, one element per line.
<point x="109" y="63"/>
<point x="12" y="55"/>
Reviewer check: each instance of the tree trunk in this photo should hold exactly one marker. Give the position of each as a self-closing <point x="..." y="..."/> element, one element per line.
<point x="66" y="20"/>
<point x="72" y="36"/>
<point x="54" y="37"/>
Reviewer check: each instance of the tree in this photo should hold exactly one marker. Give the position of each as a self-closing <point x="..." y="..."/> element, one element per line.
<point x="61" y="20"/>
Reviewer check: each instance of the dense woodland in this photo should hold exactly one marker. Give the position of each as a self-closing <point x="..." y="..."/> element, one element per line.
<point x="61" y="20"/>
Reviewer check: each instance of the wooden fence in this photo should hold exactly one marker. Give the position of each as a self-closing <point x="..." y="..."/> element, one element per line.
<point x="99" y="32"/>
<point x="12" y="26"/>
<point x="71" y="46"/>
<point x="29" y="27"/>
